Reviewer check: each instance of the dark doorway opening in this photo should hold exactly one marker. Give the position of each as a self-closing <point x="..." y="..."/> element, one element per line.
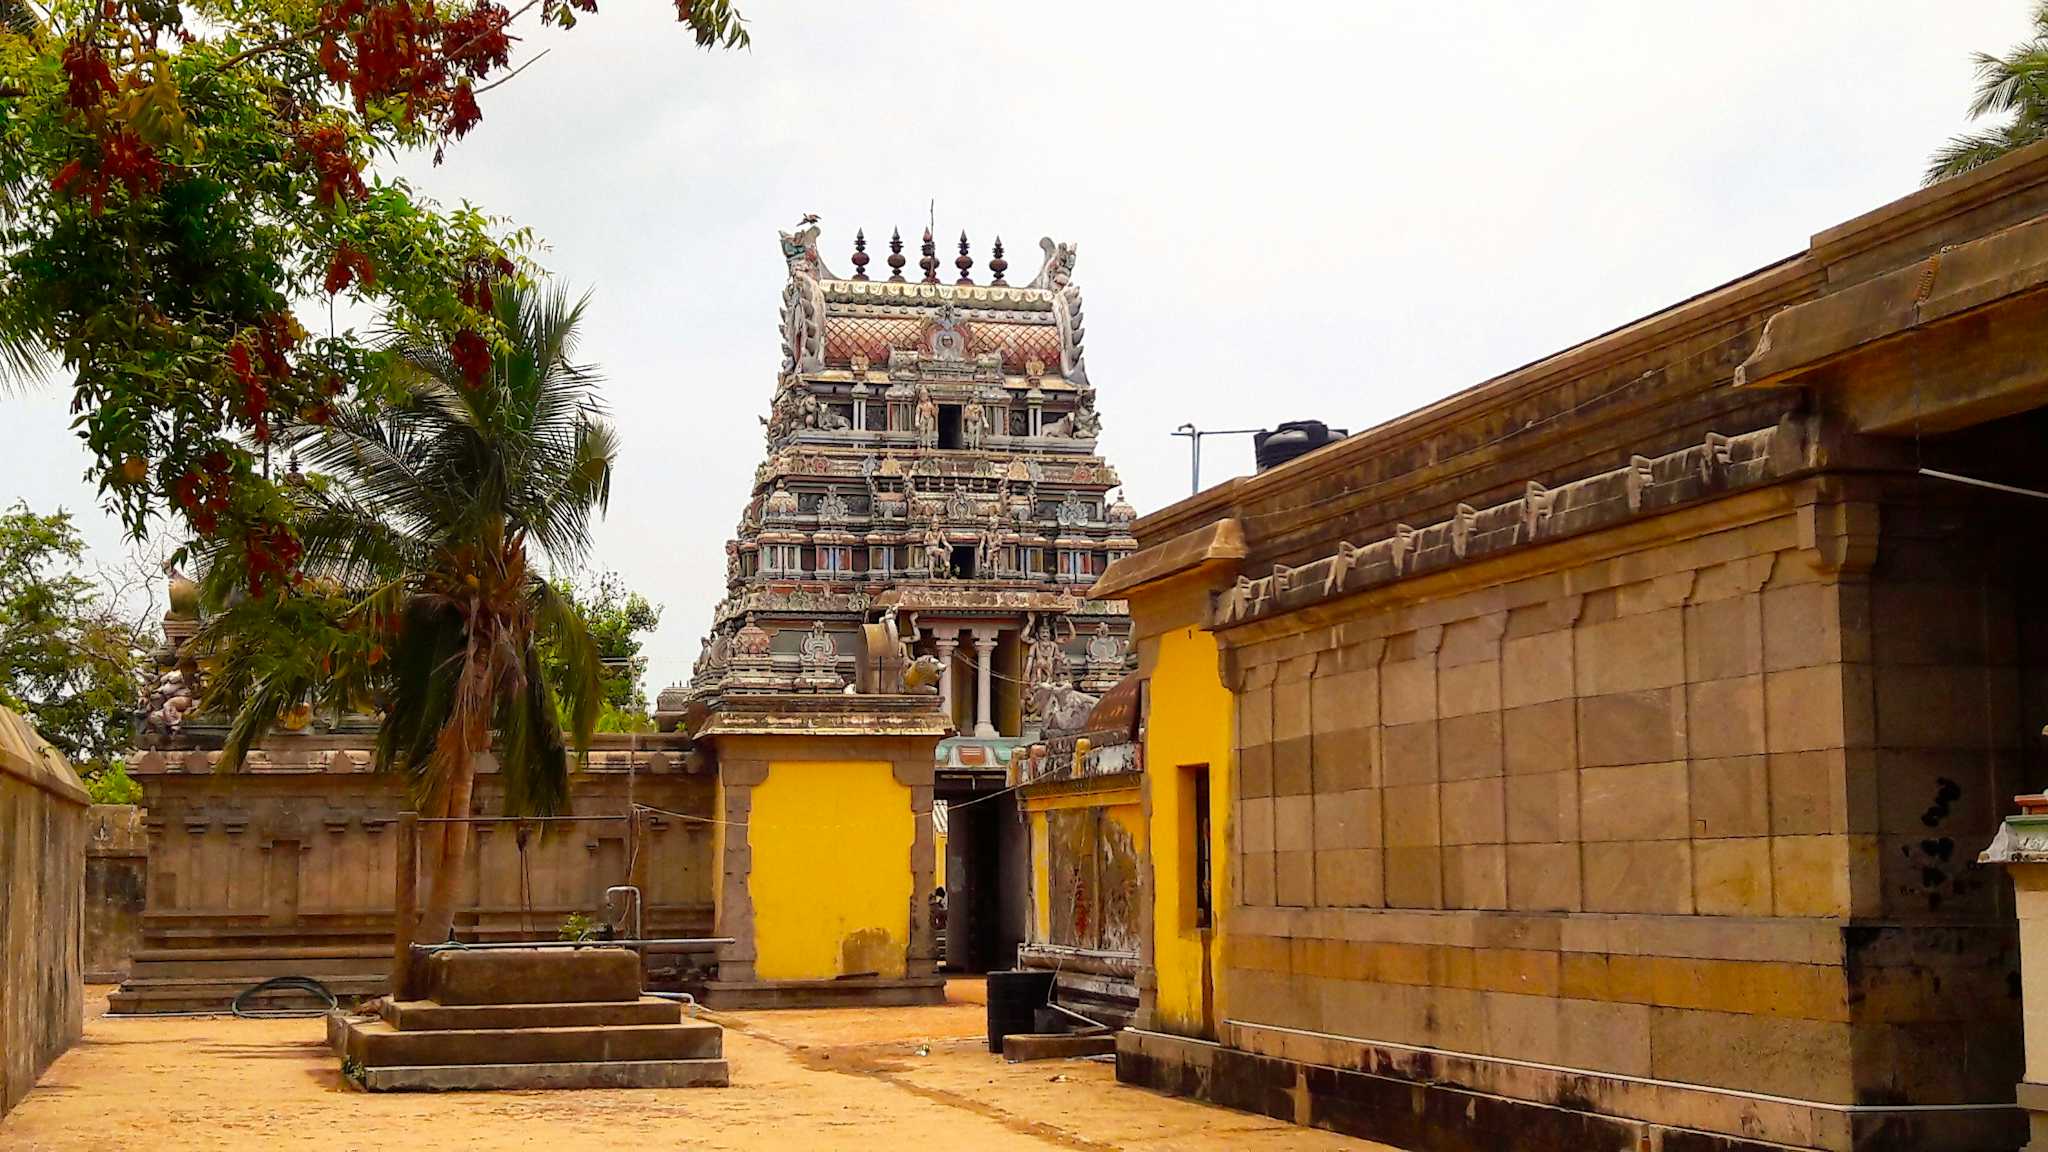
<point x="986" y="878"/>
<point x="963" y="561"/>
<point x="949" y="426"/>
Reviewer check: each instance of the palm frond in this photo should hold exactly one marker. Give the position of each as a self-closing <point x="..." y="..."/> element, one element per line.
<point x="559" y="624"/>
<point x="24" y="364"/>
<point x="535" y="765"/>
<point x="1973" y="150"/>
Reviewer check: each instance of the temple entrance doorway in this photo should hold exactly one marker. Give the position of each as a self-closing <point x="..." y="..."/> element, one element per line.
<point x="949" y="426"/>
<point x="987" y="885"/>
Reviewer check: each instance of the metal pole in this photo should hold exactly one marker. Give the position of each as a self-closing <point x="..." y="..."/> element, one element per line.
<point x="405" y="903"/>
<point x="1194" y="436"/>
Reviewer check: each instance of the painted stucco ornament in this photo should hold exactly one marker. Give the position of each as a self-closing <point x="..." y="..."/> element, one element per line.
<point x="1056" y="275"/>
<point x="803" y="301"/>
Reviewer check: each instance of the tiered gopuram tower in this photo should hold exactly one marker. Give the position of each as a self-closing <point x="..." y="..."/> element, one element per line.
<point x="931" y="449"/>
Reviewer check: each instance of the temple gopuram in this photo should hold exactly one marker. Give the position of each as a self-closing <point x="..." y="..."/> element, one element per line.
<point x="931" y="462"/>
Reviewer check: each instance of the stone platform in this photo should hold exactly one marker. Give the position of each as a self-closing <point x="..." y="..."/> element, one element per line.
<point x="520" y="1019"/>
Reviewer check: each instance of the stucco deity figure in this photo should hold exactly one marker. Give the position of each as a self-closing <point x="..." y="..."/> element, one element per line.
<point x="1046" y="660"/>
<point x="973" y="422"/>
<point x="1081" y="423"/>
<point x="168" y="702"/>
<point x="938" y="553"/>
<point x="926" y="419"/>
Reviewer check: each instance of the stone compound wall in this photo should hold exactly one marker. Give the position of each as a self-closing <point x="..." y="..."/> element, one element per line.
<point x="42" y="888"/>
<point x="307" y="856"/>
<point x="1694" y="804"/>
<point x="116" y="890"/>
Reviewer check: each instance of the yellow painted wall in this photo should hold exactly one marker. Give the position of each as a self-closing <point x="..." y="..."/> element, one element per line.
<point x="831" y="880"/>
<point x="1041" y="878"/>
<point x="1192" y="721"/>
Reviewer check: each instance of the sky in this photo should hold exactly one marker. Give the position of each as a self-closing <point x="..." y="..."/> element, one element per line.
<point x="1339" y="210"/>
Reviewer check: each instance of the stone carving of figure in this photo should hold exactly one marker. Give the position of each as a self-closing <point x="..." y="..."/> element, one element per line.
<point x="1082" y="423"/>
<point x="973" y="421"/>
<point x="1063" y="707"/>
<point x="732" y="561"/>
<point x="1104" y="648"/>
<point x="938" y="553"/>
<point x="829" y="419"/>
<point x="926" y="419"/>
<point x="1056" y="275"/>
<point x="803" y="301"/>
<point x="170" y="699"/>
<point x="921" y="678"/>
<point x="1046" y="660"/>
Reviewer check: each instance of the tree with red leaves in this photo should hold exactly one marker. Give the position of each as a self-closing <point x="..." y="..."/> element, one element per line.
<point x="177" y="179"/>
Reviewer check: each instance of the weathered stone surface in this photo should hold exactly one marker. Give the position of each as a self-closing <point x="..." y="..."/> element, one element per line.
<point x="519" y="976"/>
<point x="1022" y="1046"/>
<point x="42" y="887"/>
<point x="1689" y="715"/>
<point x="533" y="1077"/>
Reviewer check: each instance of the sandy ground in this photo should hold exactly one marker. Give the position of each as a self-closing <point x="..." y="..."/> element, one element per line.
<point x="909" y="1079"/>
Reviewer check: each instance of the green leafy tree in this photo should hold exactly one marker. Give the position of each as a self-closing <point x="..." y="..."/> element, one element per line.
<point x="617" y="618"/>
<point x="2013" y="86"/>
<point x="69" y="660"/>
<point x="421" y="519"/>
<point x="180" y="181"/>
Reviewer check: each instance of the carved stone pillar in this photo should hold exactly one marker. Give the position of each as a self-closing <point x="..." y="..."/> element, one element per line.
<point x="984" y="658"/>
<point x="946" y="642"/>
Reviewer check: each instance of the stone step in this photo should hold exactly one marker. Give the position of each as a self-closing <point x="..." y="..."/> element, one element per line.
<point x="144" y="996"/>
<point x="306" y="952"/>
<point x="428" y="1016"/>
<point x="376" y="1044"/>
<point x="707" y="1073"/>
<point x="261" y="966"/>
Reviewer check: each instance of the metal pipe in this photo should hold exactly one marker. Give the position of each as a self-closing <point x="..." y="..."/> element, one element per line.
<point x="507" y="945"/>
<point x="1973" y="482"/>
<point x="1076" y="1015"/>
<point x="510" y="819"/>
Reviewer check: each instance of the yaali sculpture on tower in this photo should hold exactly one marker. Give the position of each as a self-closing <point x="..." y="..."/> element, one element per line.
<point x="930" y="464"/>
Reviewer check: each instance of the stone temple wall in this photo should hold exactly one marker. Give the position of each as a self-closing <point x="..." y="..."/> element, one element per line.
<point x="1701" y="810"/>
<point x="42" y="889"/>
<point x="311" y="857"/>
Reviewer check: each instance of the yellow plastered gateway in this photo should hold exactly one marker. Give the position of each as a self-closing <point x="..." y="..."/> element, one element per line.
<point x="831" y="879"/>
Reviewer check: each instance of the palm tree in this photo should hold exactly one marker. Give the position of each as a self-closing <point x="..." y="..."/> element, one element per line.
<point x="2015" y="85"/>
<point x="23" y="362"/>
<point x="418" y="521"/>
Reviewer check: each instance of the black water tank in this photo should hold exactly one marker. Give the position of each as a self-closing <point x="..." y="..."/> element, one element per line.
<point x="1013" y="997"/>
<point x="1294" y="438"/>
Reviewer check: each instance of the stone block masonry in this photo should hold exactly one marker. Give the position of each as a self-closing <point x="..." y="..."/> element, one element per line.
<point x="1610" y="743"/>
<point x="42" y="906"/>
